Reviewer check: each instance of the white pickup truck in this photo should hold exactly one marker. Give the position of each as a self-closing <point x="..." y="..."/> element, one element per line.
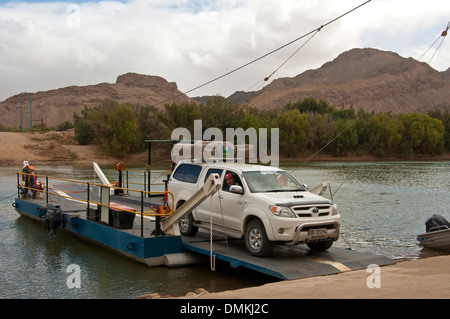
<point x="265" y="206"/>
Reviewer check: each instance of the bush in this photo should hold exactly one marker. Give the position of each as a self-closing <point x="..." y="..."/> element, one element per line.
<point x="65" y="126"/>
<point x="304" y="126"/>
<point x="112" y="126"/>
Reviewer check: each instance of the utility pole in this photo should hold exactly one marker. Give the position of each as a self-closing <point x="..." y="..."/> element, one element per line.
<point x="22" y="113"/>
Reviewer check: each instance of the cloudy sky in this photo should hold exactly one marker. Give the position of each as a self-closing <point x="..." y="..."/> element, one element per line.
<point x="52" y="44"/>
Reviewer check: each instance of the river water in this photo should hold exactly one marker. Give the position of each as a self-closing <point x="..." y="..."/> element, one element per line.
<point x="383" y="205"/>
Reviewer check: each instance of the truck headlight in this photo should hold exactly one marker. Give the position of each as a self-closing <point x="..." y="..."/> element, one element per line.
<point x="282" y="211"/>
<point x="334" y="210"/>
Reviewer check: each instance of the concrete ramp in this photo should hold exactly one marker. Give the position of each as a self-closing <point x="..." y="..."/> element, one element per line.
<point x="289" y="262"/>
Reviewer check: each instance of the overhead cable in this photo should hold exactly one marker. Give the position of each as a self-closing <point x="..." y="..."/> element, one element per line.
<point x="267" y="54"/>
<point x="268" y="77"/>
<point x="443" y="35"/>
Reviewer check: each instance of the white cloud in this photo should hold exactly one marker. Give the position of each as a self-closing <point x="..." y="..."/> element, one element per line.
<point x="51" y="45"/>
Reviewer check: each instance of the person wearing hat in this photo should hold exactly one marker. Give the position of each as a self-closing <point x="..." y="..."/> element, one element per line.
<point x="29" y="177"/>
<point x="230" y="180"/>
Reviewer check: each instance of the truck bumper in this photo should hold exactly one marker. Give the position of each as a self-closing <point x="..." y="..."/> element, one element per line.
<point x="306" y="232"/>
<point x="317" y="232"/>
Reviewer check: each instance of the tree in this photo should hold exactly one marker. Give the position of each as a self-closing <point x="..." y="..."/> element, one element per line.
<point x="221" y="113"/>
<point x="424" y="133"/>
<point x="310" y="104"/>
<point x="292" y="125"/>
<point x="175" y="116"/>
<point x="445" y="119"/>
<point x="122" y="136"/>
<point x="149" y="125"/>
<point x="345" y="137"/>
<point x="386" y="136"/>
<point x="83" y="130"/>
<point x="319" y="130"/>
<point x="345" y="114"/>
<point x="110" y="125"/>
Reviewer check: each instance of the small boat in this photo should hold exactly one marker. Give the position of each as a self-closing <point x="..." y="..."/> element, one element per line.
<point x="437" y="234"/>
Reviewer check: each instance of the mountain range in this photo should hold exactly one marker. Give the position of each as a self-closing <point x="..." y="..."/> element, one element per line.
<point x="370" y="79"/>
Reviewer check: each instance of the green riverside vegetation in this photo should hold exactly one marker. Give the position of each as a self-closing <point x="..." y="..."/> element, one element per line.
<point x="305" y="127"/>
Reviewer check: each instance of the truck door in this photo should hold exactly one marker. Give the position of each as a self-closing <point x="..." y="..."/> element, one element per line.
<point x="231" y="204"/>
<point x="203" y="210"/>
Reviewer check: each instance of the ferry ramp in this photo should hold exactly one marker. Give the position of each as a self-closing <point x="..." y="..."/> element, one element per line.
<point x="286" y="262"/>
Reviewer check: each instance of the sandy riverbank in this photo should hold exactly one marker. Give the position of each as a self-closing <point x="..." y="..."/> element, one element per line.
<point x="60" y="147"/>
<point x="49" y="147"/>
<point x="427" y="278"/>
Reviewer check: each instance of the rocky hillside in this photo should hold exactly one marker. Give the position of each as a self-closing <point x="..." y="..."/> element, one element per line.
<point x="57" y="106"/>
<point x="370" y="79"/>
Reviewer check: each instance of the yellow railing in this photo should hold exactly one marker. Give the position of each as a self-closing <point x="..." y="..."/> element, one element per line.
<point x="63" y="194"/>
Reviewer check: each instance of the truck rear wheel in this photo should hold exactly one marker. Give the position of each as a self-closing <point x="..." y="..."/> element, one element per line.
<point x="187" y="227"/>
<point x="256" y="241"/>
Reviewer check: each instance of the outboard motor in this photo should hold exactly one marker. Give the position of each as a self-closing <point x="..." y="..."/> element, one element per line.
<point x="53" y="219"/>
<point x="436" y="222"/>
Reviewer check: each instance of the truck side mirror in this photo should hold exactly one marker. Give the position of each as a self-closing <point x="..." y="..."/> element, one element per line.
<point x="236" y="189"/>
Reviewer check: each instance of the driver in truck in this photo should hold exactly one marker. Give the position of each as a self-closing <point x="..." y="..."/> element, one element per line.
<point x="230" y="180"/>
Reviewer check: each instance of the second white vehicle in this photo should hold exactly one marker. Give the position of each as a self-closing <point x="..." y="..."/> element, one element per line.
<point x="264" y="205"/>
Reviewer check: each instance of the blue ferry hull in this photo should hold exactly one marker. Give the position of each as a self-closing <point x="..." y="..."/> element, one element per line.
<point x="153" y="251"/>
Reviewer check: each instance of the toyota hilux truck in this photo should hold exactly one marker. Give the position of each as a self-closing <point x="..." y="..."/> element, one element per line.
<point x="263" y="205"/>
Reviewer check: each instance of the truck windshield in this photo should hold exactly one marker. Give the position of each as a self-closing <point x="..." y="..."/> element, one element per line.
<point x="271" y="181"/>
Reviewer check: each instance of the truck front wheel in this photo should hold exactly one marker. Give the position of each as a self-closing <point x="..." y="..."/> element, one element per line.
<point x="256" y="241"/>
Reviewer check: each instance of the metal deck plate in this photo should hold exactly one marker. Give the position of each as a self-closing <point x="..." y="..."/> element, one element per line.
<point x="289" y="262"/>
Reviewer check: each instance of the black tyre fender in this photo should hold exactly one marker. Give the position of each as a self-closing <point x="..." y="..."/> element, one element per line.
<point x="320" y="246"/>
<point x="255" y="238"/>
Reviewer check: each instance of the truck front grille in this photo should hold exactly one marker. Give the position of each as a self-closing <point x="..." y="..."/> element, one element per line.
<point x="312" y="210"/>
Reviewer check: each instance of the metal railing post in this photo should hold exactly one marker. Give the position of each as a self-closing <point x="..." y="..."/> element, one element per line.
<point x="142" y="214"/>
<point x="145" y="181"/>
<point x="88" y="192"/>
<point x="128" y="186"/>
